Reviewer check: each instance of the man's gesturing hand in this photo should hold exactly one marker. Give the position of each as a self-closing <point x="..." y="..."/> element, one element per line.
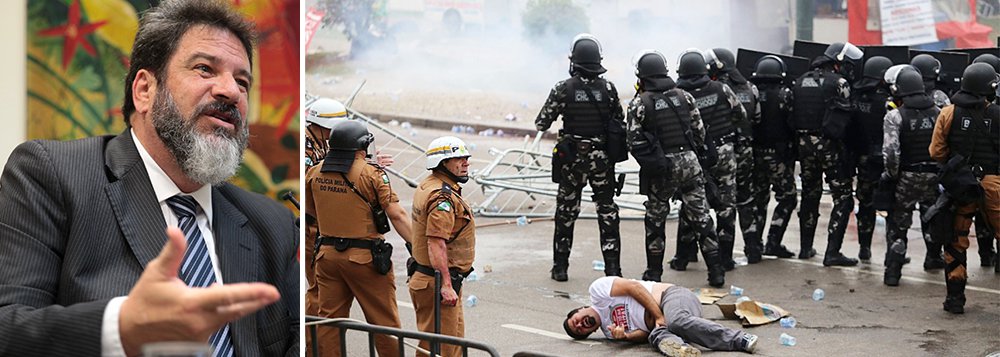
<point x="161" y="307"/>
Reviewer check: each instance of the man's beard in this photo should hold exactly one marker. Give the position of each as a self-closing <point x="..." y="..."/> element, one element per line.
<point x="205" y="158"/>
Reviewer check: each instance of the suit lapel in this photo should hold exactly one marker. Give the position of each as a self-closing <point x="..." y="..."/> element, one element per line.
<point x="237" y="247"/>
<point x="132" y="199"/>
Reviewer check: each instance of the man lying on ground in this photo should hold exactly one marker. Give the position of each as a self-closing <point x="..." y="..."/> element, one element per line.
<point x="666" y="315"/>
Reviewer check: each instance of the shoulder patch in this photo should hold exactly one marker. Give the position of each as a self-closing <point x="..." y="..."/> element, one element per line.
<point x="444" y="206"/>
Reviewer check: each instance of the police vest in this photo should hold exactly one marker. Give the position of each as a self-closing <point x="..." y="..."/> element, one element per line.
<point x="978" y="142"/>
<point x="915" y="131"/>
<point x="811" y="91"/>
<point x="582" y="116"/>
<point x="870" y="109"/>
<point x="773" y="128"/>
<point x="714" y="106"/>
<point x="744" y="93"/>
<point x="665" y="113"/>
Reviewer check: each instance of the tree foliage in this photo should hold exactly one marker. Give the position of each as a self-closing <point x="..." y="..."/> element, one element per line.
<point x="553" y="20"/>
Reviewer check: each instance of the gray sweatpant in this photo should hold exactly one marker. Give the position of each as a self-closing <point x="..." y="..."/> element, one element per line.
<point x="682" y="312"/>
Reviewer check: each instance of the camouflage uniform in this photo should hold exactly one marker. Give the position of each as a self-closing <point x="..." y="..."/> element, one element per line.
<point x="818" y="156"/>
<point x="724" y="176"/>
<point x="915" y="184"/>
<point x="685" y="179"/>
<point x="865" y="143"/>
<point x="750" y="217"/>
<point x="774" y="164"/>
<point x="591" y="166"/>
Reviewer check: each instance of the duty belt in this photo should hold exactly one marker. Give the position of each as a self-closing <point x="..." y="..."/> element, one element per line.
<point x="341" y="244"/>
<point x="726" y="139"/>
<point x="676" y="149"/>
<point x="430" y="271"/>
<point x="922" y="167"/>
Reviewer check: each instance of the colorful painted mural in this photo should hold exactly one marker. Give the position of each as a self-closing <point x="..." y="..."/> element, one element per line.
<point x="78" y="53"/>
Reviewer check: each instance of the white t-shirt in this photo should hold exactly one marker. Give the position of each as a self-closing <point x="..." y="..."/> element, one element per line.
<point x="622" y="311"/>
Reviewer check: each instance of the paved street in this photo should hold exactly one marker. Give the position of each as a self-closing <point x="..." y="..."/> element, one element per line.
<point x="521" y="309"/>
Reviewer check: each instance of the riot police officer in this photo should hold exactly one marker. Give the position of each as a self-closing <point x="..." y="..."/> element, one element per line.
<point x="984" y="235"/>
<point x="822" y="110"/>
<point x="587" y="151"/>
<point x="665" y="130"/>
<point x="723" y="115"/>
<point x="352" y="203"/>
<point x="930" y="71"/>
<point x="868" y="99"/>
<point x="320" y="117"/>
<point x="444" y="239"/>
<point x="774" y="158"/>
<point x="722" y="68"/>
<point x="969" y="128"/>
<point x="908" y="131"/>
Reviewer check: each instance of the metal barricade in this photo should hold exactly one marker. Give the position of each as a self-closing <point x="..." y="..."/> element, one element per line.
<point x="345" y="324"/>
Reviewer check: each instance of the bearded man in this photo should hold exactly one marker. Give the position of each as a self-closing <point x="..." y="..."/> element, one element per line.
<point x="85" y="266"/>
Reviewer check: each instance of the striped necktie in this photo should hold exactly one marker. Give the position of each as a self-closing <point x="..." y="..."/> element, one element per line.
<point x="196" y="268"/>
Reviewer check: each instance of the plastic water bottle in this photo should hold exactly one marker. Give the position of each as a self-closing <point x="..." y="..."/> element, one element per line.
<point x="735" y="290"/>
<point x="818" y="294"/>
<point x="787" y="340"/>
<point x="788" y="322"/>
<point x="472" y="300"/>
<point x="456" y="129"/>
<point x="473" y="276"/>
<point x="742" y="299"/>
<point x="599" y="265"/>
<point x="522" y="221"/>
<point x="406" y="125"/>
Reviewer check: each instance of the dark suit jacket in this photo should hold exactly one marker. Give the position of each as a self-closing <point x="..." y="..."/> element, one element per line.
<point x="78" y="224"/>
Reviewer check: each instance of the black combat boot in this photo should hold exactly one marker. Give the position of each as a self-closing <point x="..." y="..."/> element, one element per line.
<point x="754" y="251"/>
<point x="686" y="253"/>
<point x="774" y="247"/>
<point x="865" y="253"/>
<point x="726" y="255"/>
<point x="654" y="267"/>
<point x="833" y="255"/>
<point x="933" y="259"/>
<point x="894" y="257"/>
<point x="807" y="251"/>
<point x="987" y="257"/>
<point x="716" y="273"/>
<point x="612" y="267"/>
<point x="955" y="302"/>
<point x="560" y="266"/>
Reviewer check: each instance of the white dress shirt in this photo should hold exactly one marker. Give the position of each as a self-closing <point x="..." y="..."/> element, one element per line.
<point x="163" y="188"/>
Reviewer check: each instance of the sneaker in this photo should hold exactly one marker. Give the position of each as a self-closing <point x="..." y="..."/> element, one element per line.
<point x="748" y="343"/>
<point x="677" y="349"/>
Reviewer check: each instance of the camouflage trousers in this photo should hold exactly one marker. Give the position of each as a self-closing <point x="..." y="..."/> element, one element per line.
<point x="911" y="188"/>
<point x="588" y="167"/>
<point x="724" y="175"/>
<point x="773" y="171"/>
<point x="750" y="217"/>
<point x="819" y="156"/>
<point x="686" y="181"/>
<point x="865" y="193"/>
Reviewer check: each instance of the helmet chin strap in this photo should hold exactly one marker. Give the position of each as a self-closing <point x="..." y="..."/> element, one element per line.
<point x="446" y="172"/>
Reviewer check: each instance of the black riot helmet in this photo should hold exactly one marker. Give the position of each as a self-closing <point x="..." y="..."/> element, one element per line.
<point x="846" y="55"/>
<point x="585" y="54"/>
<point x="346" y="138"/>
<point x="989" y="59"/>
<point x="691" y="62"/>
<point x="928" y="66"/>
<point x="908" y="82"/>
<point x="650" y="63"/>
<point x="875" y="67"/>
<point x="720" y="59"/>
<point x="769" y="67"/>
<point x="980" y="79"/>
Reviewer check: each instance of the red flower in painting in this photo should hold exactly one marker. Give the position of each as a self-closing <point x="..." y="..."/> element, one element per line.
<point x="74" y="33"/>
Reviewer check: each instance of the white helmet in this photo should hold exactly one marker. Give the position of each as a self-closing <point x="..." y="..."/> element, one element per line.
<point x="443" y="148"/>
<point x="325" y="112"/>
